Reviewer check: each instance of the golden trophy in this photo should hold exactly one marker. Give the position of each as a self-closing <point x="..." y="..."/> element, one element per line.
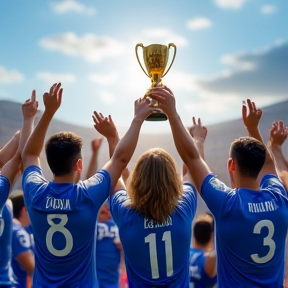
<point x="155" y="59"/>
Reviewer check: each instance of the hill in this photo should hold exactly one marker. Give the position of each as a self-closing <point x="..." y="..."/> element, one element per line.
<point x="217" y="144"/>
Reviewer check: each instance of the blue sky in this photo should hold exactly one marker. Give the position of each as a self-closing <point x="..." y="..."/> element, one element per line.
<point x="227" y="51"/>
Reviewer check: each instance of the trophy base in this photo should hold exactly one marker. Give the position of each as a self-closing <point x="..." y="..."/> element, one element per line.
<point x="157" y="117"/>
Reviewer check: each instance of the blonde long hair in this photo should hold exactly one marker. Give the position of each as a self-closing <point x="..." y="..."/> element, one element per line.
<point x="154" y="186"/>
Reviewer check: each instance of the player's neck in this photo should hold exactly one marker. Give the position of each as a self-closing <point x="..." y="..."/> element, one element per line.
<point x="69" y="178"/>
<point x="201" y="247"/>
<point x="247" y="182"/>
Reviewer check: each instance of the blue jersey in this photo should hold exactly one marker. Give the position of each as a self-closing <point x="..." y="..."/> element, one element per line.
<point x="63" y="218"/>
<point x="6" y="277"/>
<point x="20" y="243"/>
<point x="6" y="273"/>
<point x="4" y="191"/>
<point x="198" y="276"/>
<point x="156" y="254"/>
<point x="107" y="253"/>
<point x="251" y="229"/>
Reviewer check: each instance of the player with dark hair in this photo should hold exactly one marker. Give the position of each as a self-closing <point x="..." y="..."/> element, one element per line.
<point x="63" y="212"/>
<point x="22" y="251"/>
<point x="202" y="254"/>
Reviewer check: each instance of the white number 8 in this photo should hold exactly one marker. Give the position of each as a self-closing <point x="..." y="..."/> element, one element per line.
<point x="267" y="241"/>
<point x="58" y="228"/>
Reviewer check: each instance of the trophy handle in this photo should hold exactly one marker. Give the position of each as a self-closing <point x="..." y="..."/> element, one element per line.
<point x="136" y="50"/>
<point x="175" y="50"/>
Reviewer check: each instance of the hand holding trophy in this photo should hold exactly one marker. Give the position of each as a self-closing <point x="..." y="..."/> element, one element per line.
<point x="155" y="59"/>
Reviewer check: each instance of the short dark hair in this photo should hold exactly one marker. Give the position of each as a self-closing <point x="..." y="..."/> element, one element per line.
<point x="202" y="231"/>
<point x="249" y="154"/>
<point x="63" y="149"/>
<point x="18" y="204"/>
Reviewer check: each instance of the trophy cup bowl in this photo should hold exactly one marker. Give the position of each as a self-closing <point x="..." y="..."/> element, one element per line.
<point x="155" y="58"/>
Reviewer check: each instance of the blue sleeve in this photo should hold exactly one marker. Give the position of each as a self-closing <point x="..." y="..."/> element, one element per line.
<point x="272" y="181"/>
<point x="116" y="203"/>
<point x="4" y="191"/>
<point x="98" y="187"/>
<point x="20" y="242"/>
<point x="190" y="194"/>
<point x="32" y="181"/>
<point x="214" y="193"/>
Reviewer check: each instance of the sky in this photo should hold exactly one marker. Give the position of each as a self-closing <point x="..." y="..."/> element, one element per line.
<point x="227" y="51"/>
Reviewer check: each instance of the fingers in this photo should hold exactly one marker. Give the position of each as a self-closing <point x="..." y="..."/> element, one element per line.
<point x="193" y="120"/>
<point x="250" y="106"/>
<point x="199" y="122"/>
<point x="244" y="112"/>
<point x="33" y="96"/>
<point x="60" y="95"/>
<point x="97" y="117"/>
<point x="253" y="106"/>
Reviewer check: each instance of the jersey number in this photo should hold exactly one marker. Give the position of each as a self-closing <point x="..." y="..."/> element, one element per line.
<point x="267" y="241"/>
<point x="58" y="228"/>
<point x="1" y="226"/>
<point x="151" y="239"/>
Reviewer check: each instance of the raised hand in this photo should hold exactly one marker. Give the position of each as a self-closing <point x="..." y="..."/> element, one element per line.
<point x="278" y="133"/>
<point x="104" y="125"/>
<point x="198" y="131"/>
<point x="143" y="108"/>
<point x="251" y="116"/>
<point x="165" y="98"/>
<point x="30" y="107"/>
<point x="95" y="144"/>
<point x="52" y="100"/>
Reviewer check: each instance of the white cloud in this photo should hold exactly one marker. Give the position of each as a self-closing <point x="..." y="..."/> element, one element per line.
<point x="199" y="23"/>
<point x="106" y="97"/>
<point x="103" y="79"/>
<point x="54" y="77"/>
<point x="230" y="4"/>
<point x="71" y="6"/>
<point x="164" y="36"/>
<point x="261" y="74"/>
<point x="91" y="47"/>
<point x="268" y="9"/>
<point x="236" y="61"/>
<point x="10" y="76"/>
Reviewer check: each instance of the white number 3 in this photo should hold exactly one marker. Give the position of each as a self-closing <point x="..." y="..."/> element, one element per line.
<point x="58" y="228"/>
<point x="267" y="241"/>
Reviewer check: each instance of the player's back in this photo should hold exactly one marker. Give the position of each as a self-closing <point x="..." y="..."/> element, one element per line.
<point x="250" y="237"/>
<point x="63" y="218"/>
<point x="6" y="274"/>
<point x="107" y="253"/>
<point x="156" y="254"/>
<point x="20" y="243"/>
<point x="198" y="276"/>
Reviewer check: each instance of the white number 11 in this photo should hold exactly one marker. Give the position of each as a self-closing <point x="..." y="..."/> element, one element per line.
<point x="151" y="239"/>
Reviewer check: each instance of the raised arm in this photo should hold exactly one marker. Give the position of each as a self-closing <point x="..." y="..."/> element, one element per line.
<point x="106" y="127"/>
<point x="9" y="149"/>
<point x="184" y="143"/>
<point x="199" y="133"/>
<point x="92" y="168"/>
<point x="29" y="111"/>
<point x="278" y="135"/>
<point x="251" y="117"/>
<point x="33" y="148"/>
<point x="126" y="146"/>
